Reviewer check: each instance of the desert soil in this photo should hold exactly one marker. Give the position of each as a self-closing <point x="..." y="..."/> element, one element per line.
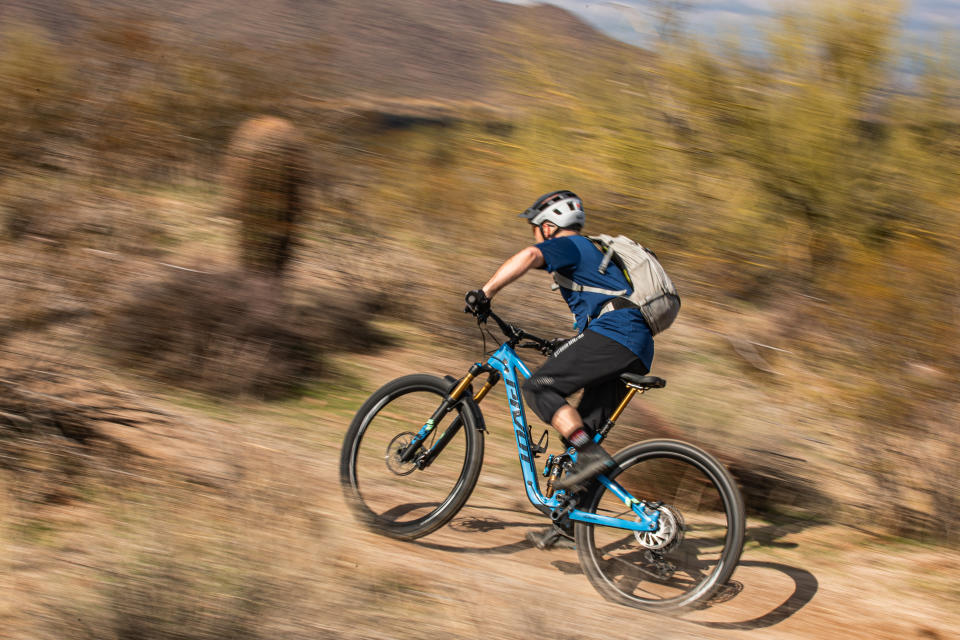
<point x="476" y="577"/>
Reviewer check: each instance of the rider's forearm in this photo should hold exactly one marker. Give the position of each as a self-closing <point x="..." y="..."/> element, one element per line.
<point x="513" y="268"/>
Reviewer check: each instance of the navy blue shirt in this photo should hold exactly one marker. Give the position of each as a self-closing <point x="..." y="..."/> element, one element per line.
<point x="579" y="259"/>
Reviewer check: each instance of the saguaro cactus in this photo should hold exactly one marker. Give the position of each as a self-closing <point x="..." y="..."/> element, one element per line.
<point x="267" y="171"/>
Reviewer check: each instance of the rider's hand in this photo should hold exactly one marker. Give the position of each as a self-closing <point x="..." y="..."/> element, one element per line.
<point x="478" y="304"/>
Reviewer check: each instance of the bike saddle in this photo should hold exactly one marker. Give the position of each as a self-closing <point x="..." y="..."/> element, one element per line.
<point x="643" y="382"/>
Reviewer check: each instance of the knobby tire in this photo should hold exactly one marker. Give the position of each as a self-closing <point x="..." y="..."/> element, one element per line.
<point x="414" y="502"/>
<point x="689" y="481"/>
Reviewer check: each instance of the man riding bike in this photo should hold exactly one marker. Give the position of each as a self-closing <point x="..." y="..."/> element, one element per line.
<point x="613" y="336"/>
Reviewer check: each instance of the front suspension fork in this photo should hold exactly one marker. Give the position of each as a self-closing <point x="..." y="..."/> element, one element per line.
<point x="413" y="451"/>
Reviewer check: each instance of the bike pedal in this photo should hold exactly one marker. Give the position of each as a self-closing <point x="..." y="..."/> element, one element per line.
<point x="551" y="538"/>
<point x="563" y="509"/>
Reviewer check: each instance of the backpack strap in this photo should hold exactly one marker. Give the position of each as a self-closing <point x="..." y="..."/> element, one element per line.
<point x="618" y="303"/>
<point x="567" y="283"/>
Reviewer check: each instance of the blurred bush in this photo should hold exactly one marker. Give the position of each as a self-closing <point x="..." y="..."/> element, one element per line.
<point x="37" y="97"/>
<point x="121" y="100"/>
<point x="233" y="333"/>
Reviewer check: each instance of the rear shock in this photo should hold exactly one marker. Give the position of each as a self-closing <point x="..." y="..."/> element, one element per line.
<point x="552" y="470"/>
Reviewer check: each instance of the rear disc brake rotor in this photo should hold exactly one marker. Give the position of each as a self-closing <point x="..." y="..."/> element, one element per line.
<point x="668" y="535"/>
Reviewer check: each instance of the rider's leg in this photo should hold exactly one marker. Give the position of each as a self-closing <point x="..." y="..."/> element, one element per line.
<point x="590" y="362"/>
<point x="599" y="400"/>
<point x="566" y="421"/>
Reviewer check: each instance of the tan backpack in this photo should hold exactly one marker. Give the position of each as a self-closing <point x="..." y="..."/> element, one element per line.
<point x="653" y="291"/>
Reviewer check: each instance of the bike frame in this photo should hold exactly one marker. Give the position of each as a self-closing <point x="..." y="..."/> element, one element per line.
<point x="505" y="364"/>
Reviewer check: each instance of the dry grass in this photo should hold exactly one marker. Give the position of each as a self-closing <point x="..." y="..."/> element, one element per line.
<point x="249" y="549"/>
<point x="255" y="542"/>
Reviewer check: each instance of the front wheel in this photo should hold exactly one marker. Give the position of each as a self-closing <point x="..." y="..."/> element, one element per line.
<point x="391" y="494"/>
<point x="697" y="544"/>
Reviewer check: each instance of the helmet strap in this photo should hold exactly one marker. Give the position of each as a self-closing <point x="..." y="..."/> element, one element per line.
<point x="543" y="231"/>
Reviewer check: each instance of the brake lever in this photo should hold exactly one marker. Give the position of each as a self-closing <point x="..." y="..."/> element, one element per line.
<point x="544" y="349"/>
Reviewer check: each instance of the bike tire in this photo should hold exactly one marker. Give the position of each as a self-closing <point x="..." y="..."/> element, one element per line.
<point x="622" y="566"/>
<point x="408" y="503"/>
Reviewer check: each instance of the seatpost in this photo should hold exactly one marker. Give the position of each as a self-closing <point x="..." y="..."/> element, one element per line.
<point x="612" y="420"/>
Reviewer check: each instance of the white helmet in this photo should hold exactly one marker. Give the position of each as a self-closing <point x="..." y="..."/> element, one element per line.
<point x="562" y="208"/>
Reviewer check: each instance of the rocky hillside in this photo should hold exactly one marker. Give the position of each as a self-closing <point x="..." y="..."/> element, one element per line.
<point x="440" y="49"/>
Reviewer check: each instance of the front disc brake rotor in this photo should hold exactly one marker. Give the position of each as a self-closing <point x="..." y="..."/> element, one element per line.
<point x="392" y="457"/>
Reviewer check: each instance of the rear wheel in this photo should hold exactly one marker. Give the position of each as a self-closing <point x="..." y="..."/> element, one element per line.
<point x="699" y="539"/>
<point x="397" y="498"/>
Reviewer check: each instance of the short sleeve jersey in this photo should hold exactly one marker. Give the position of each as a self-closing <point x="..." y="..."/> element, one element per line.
<point x="577" y="258"/>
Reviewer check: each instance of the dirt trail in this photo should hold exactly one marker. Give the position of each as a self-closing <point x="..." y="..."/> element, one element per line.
<point x="794" y="586"/>
<point x="476" y="577"/>
<point x="483" y="578"/>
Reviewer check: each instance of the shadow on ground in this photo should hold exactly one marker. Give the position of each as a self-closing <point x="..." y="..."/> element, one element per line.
<point x="805" y="584"/>
<point x="486" y="524"/>
<point x="805" y="587"/>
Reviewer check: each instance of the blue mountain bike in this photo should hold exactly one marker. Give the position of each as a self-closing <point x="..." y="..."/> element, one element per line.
<point x="662" y="531"/>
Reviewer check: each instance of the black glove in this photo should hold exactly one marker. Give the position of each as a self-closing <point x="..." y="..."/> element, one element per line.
<point x="478" y="304"/>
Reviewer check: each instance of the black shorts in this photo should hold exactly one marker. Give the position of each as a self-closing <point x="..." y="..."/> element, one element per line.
<point x="591" y="362"/>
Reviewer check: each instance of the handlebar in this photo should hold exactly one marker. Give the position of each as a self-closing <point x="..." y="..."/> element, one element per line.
<point x="515" y="334"/>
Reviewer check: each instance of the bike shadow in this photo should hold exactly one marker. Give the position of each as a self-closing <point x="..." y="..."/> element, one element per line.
<point x="804" y="584"/>
<point x="805" y="587"/>
<point x="486" y="524"/>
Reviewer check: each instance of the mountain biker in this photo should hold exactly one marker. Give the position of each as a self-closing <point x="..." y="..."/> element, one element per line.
<point x="613" y="337"/>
